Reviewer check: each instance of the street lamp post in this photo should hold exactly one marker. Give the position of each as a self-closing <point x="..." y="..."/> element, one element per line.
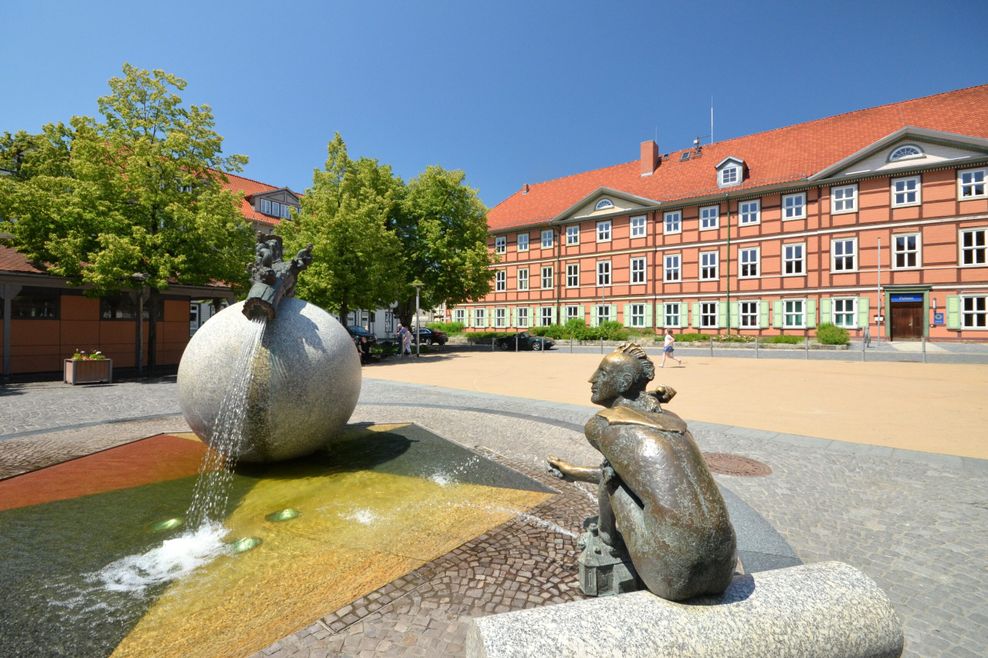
<point x="417" y="284"/>
<point x="140" y="278"/>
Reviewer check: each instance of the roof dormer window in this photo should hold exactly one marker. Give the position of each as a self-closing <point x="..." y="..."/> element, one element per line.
<point x="730" y="172"/>
<point x="276" y="208"/>
<point x="905" y="152"/>
<point x="604" y="204"/>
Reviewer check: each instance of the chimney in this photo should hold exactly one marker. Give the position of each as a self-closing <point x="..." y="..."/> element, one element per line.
<point x="649" y="157"/>
<point x="524" y="188"/>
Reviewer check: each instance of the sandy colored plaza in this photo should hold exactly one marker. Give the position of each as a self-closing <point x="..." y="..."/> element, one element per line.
<point x="939" y="408"/>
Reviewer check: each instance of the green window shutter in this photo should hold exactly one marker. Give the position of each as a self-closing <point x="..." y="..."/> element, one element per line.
<point x="721" y="314"/>
<point x="468" y="317"/>
<point x="777" y="315"/>
<point x="490" y="316"/>
<point x="593" y="316"/>
<point x="810" y="313"/>
<point x="533" y="320"/>
<point x="513" y="317"/>
<point x="863" y="317"/>
<point x="696" y="315"/>
<point x="612" y="312"/>
<point x="735" y="308"/>
<point x="648" y="315"/>
<point x="763" y="314"/>
<point x="953" y="312"/>
<point x="825" y="310"/>
<point x="627" y="315"/>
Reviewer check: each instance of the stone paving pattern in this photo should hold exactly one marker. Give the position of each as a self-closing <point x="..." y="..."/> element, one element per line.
<point x="914" y="522"/>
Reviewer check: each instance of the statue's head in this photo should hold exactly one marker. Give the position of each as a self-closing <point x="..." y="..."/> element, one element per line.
<point x="624" y="372"/>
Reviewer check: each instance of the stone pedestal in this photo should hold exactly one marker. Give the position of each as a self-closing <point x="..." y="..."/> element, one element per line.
<point x="604" y="570"/>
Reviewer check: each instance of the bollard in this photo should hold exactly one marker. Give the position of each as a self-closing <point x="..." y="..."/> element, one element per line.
<point x="516" y="342"/>
<point x="756" y="347"/>
<point x="711" y="346"/>
<point x="601" y="344"/>
<point x="571" y="344"/>
<point x="924" y="349"/>
<point x="492" y="344"/>
<point x="806" y="342"/>
<point x="864" y="344"/>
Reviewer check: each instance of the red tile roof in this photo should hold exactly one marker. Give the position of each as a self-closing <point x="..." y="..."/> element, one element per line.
<point x="777" y="156"/>
<point x="250" y="187"/>
<point x="12" y="260"/>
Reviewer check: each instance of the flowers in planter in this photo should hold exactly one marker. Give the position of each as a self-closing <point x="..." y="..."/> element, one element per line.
<point x="81" y="355"/>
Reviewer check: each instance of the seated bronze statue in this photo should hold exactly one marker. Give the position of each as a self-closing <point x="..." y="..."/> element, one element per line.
<point x="658" y="501"/>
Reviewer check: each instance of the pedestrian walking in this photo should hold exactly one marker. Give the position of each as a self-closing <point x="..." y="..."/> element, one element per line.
<point x="667" y="349"/>
<point x="405" y="337"/>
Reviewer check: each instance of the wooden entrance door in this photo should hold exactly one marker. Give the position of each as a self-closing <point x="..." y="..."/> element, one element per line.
<point x="907" y="320"/>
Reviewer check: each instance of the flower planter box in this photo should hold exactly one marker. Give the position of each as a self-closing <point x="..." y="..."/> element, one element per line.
<point x="88" y="371"/>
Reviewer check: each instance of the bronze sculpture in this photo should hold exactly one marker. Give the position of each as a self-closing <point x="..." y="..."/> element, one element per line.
<point x="272" y="278"/>
<point x="659" y="505"/>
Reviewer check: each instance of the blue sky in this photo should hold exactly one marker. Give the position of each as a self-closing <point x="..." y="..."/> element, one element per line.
<point x="510" y="92"/>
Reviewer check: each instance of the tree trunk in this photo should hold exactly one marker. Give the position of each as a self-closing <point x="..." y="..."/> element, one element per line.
<point x="406" y="312"/>
<point x="152" y="330"/>
<point x="344" y="310"/>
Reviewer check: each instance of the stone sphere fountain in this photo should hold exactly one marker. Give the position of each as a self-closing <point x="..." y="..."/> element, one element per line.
<point x="304" y="372"/>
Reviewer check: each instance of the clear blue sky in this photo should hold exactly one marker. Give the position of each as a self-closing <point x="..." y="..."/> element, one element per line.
<point x="510" y="92"/>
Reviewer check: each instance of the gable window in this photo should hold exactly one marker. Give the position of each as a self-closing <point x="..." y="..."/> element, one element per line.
<point x="751" y="212"/>
<point x="572" y="313"/>
<point x="729" y="175"/>
<point x="844" y="199"/>
<point x="604" y="204"/>
<point x="638" y="270"/>
<point x="905" y="251"/>
<point x="843" y="253"/>
<point x="637" y="315"/>
<point x="906" y="191"/>
<point x="603" y="273"/>
<point x="749" y="315"/>
<point x="846" y="312"/>
<point x="547" y="277"/>
<point x="604" y="231"/>
<point x="794" y="206"/>
<point x="460" y="315"/>
<point x="709" y="217"/>
<point x="638" y="226"/>
<point x="479" y="317"/>
<point x="671" y="314"/>
<point x="748" y="259"/>
<point x="708" y="266"/>
<point x="794" y="313"/>
<point x="974" y="312"/>
<point x="500" y="317"/>
<point x="522" y="314"/>
<point x="546" y="316"/>
<point x="671" y="269"/>
<point x="974" y="246"/>
<point x="905" y="152"/>
<point x="547" y="238"/>
<point x="673" y="222"/>
<point x="793" y="259"/>
<point x="971" y="183"/>
<point x="573" y="234"/>
<point x="573" y="275"/>
<point x="500" y="281"/>
<point x="523" y="278"/>
<point x="500" y="244"/>
<point x="523" y="242"/>
<point x="708" y="315"/>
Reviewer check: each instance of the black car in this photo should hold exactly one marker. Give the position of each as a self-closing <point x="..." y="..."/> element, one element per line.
<point x="359" y="332"/>
<point x="432" y="336"/>
<point x="526" y="341"/>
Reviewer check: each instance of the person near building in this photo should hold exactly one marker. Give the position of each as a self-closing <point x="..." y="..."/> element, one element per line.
<point x="667" y="349"/>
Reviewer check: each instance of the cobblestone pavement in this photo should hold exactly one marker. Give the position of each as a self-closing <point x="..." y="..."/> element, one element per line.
<point x="915" y="522"/>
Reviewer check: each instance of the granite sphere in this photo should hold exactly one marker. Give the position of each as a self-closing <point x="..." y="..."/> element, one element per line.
<point x="305" y="379"/>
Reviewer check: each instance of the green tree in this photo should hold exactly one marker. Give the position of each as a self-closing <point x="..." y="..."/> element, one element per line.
<point x="346" y="215"/>
<point x="443" y="229"/>
<point x="139" y="192"/>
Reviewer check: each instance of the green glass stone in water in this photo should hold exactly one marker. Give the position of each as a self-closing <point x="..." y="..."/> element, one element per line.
<point x="245" y="544"/>
<point x="286" y="514"/>
<point x="166" y="525"/>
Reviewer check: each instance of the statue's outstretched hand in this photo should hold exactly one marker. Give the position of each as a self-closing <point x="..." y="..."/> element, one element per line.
<point x="557" y="468"/>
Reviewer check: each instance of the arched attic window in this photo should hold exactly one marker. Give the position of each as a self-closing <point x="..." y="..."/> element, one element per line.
<point x="905" y="152"/>
<point x="604" y="204"/>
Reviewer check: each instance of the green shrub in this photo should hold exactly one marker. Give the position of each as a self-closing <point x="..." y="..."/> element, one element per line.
<point x="611" y="330"/>
<point x="830" y="334"/>
<point x="785" y="340"/>
<point x="451" y="328"/>
<point x="691" y="338"/>
<point x="483" y="337"/>
<point x="733" y="338"/>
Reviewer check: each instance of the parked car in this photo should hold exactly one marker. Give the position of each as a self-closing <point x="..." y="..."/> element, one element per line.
<point x="432" y="336"/>
<point x="526" y="341"/>
<point x="359" y="332"/>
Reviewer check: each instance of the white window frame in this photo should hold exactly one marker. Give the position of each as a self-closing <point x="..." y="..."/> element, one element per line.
<point x="548" y="238"/>
<point x="672" y="271"/>
<point x="522" y="241"/>
<point x="500" y="281"/>
<point x="637" y="224"/>
<point x="916" y="252"/>
<point x="709" y="218"/>
<point x="500" y="318"/>
<point x="666" y="315"/>
<point x="978" y="183"/>
<point x="838" y="262"/>
<point x="842" y="317"/>
<point x="755" y="264"/>
<point x="604" y="204"/>
<point x="546" y="316"/>
<point x="789" y="259"/>
<point x="459" y="315"/>
<point x="638" y="275"/>
<point x="547" y="277"/>
<point x="522" y="280"/>
<point x="729" y="176"/>
<point x="603" y="273"/>
<point x="750" y="212"/>
<point x="843" y="199"/>
<point x="794" y="210"/>
<point x="672" y="222"/>
<point x="572" y="275"/>
<point x="500" y="244"/>
<point x="792" y="313"/>
<point x="708" y="315"/>
<point x="904" y="187"/>
<point x="521" y="312"/>
<point x="602" y="317"/>
<point x="908" y="152"/>
<point x="970" y="317"/>
<point x="480" y="317"/>
<point x="572" y="234"/>
<point x="705" y="265"/>
<point x="637" y="312"/>
<point x="574" y="313"/>
<point x="604" y="230"/>
<point x="748" y="319"/>
<point x="978" y="252"/>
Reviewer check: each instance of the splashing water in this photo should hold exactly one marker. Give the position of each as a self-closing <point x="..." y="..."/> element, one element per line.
<point x="361" y="516"/>
<point x="522" y="515"/>
<point x="212" y="489"/>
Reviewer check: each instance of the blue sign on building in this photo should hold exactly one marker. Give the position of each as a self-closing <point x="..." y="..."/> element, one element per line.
<point x="938" y="319"/>
<point x="907" y="298"/>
